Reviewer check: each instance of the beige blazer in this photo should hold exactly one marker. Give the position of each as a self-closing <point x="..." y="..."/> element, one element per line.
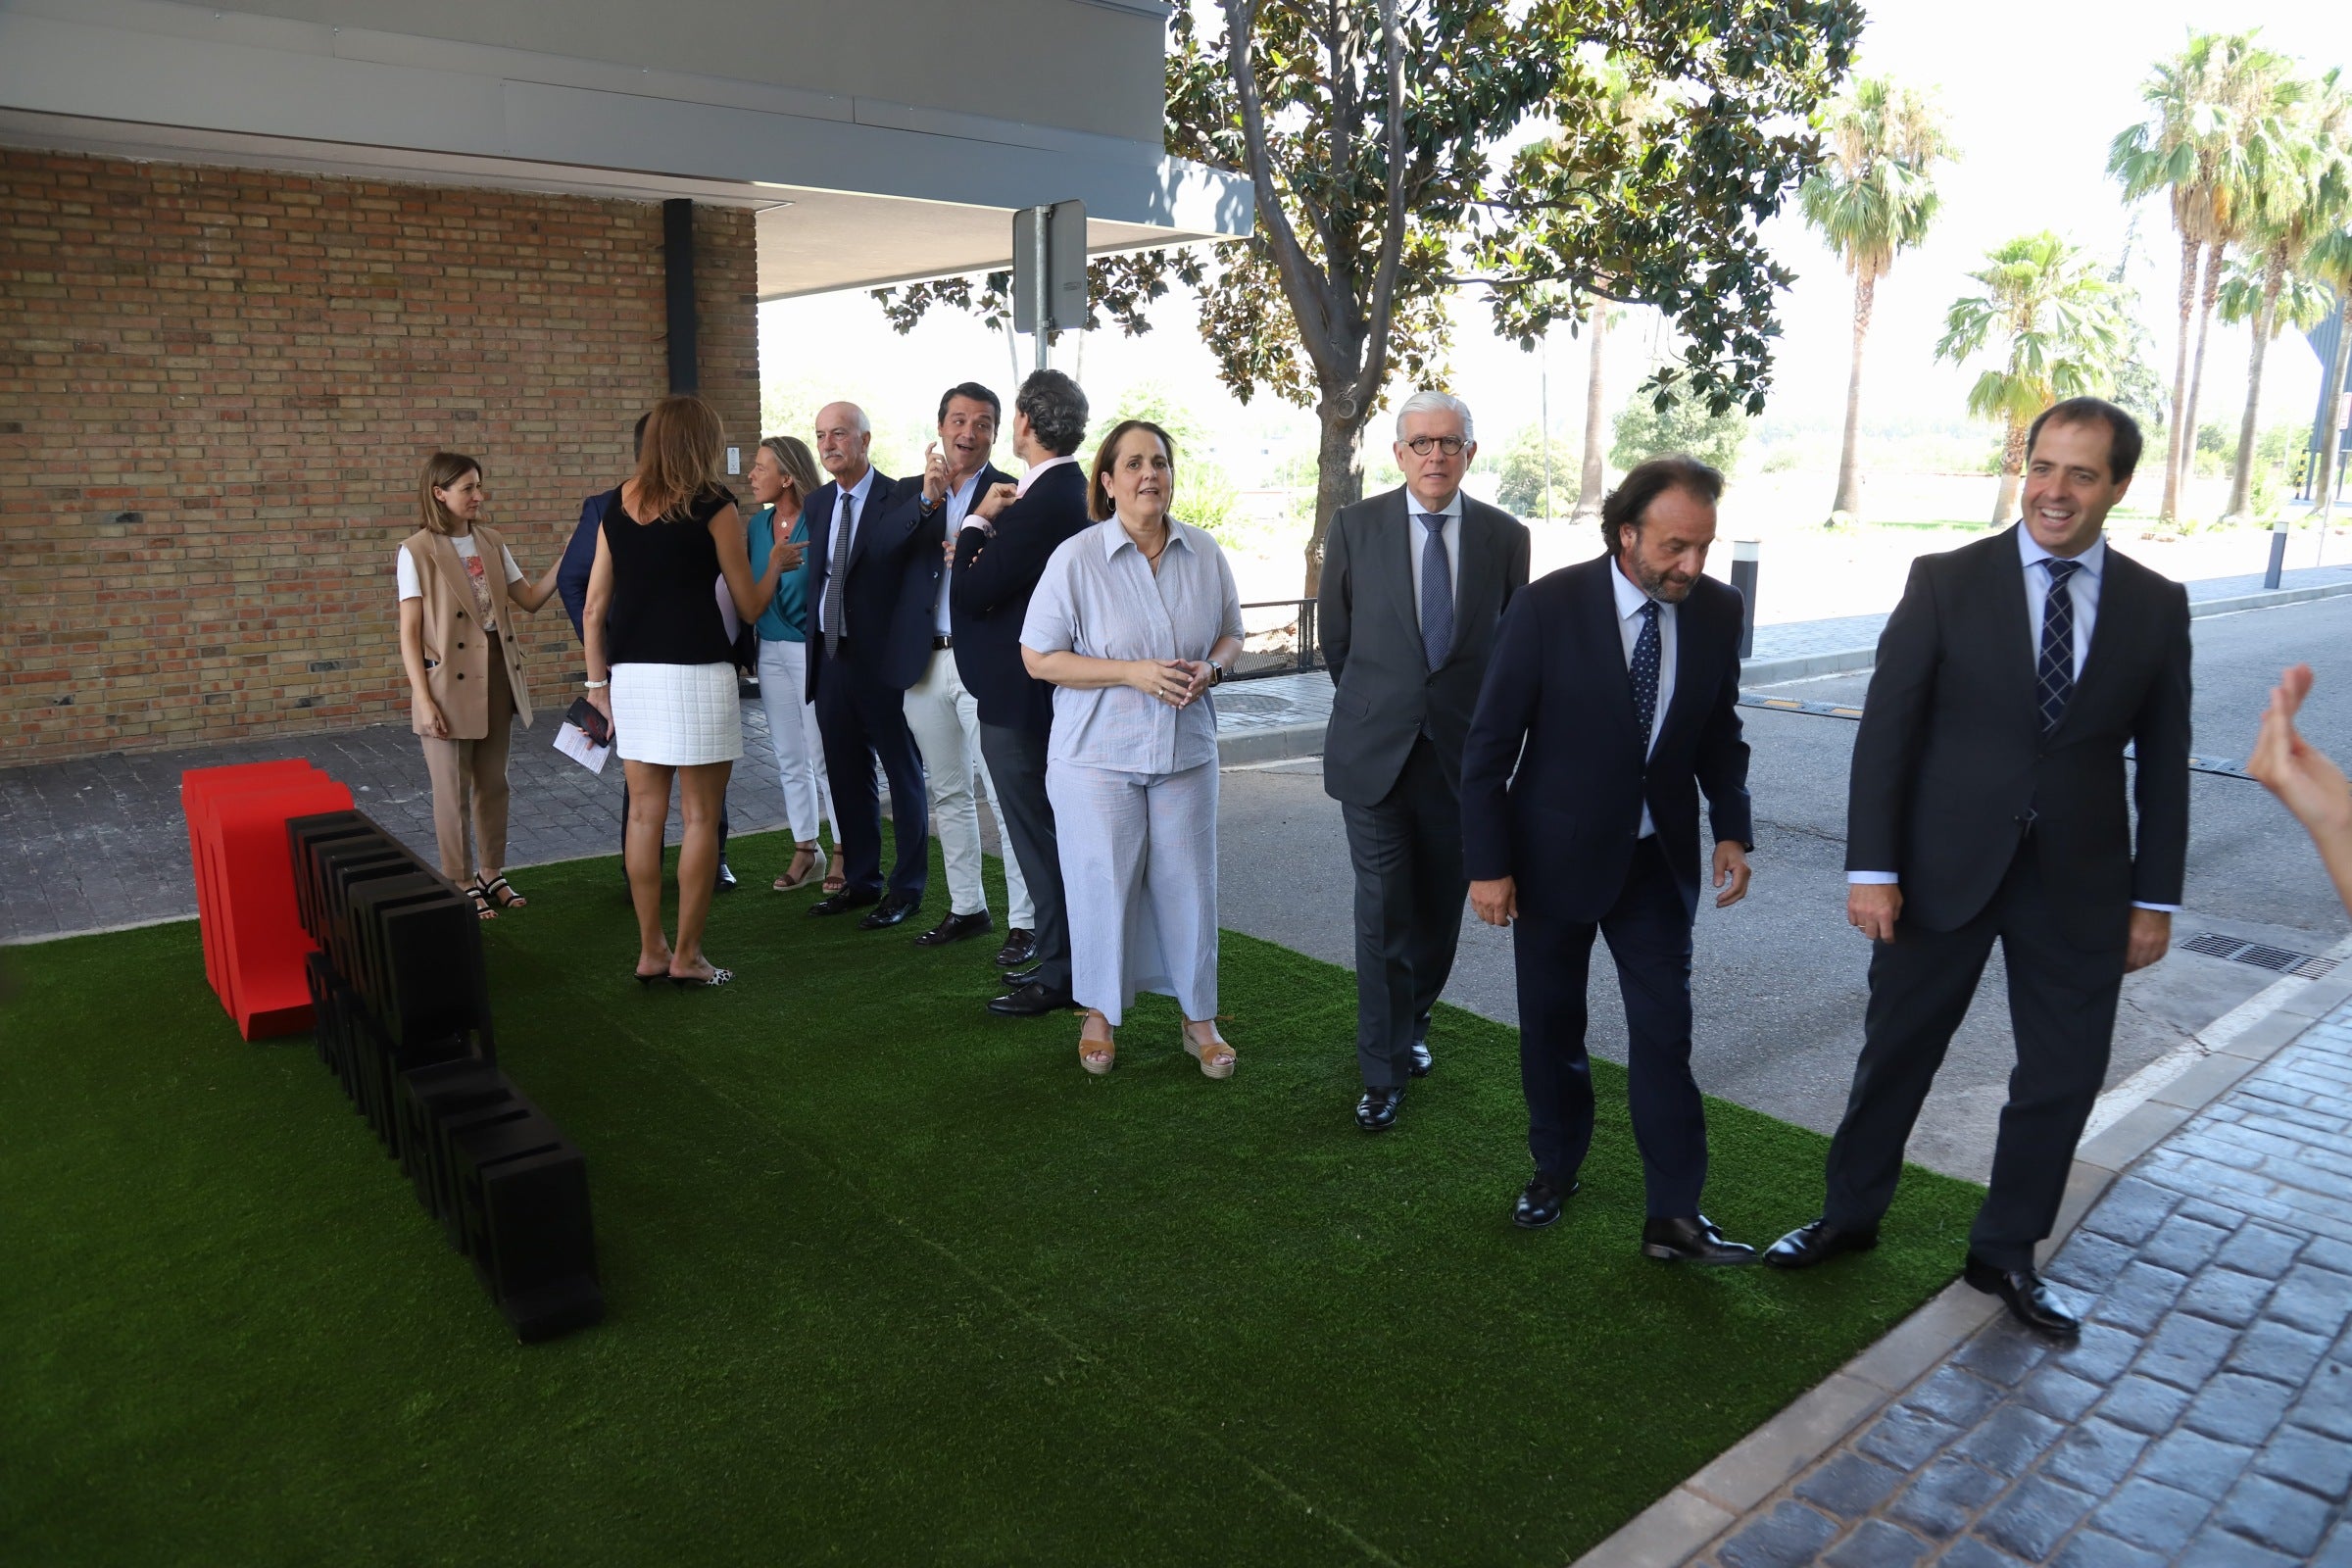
<point x="457" y="653"/>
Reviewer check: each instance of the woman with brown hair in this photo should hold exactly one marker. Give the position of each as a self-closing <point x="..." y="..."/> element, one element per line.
<point x="784" y="474"/>
<point x="1133" y="622"/>
<point x="458" y="582"/>
<point x="660" y="666"/>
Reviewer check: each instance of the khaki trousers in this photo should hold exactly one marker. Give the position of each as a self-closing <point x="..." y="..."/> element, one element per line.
<point x="475" y="772"/>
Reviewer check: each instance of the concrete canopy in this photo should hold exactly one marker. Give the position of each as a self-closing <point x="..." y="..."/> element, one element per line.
<point x="852" y="187"/>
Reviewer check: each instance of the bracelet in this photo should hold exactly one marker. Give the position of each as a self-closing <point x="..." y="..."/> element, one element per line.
<point x="596" y="685"/>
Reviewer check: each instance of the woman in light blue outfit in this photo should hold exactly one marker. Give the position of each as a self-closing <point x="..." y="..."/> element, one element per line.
<point x="1133" y="622"/>
<point x="783" y="474"/>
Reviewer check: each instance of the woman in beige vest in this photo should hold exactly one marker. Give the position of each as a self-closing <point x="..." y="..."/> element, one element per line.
<point x="459" y="583"/>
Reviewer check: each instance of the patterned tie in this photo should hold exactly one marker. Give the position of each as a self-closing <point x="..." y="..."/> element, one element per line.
<point x="2055" y="678"/>
<point x="1437" y="592"/>
<point x="1643" y="673"/>
<point x="836" y="629"/>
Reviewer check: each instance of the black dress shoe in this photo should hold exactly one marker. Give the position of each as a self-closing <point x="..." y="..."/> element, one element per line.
<point x="1539" y="1202"/>
<point x="895" y="909"/>
<point x="727" y="879"/>
<point x="1376" y="1113"/>
<point x="2029" y="1297"/>
<point x="844" y="900"/>
<point x="1020" y="946"/>
<point x="1691" y="1239"/>
<point x="1817" y="1242"/>
<point x="1017" y="978"/>
<point x="1421" y="1059"/>
<point x="1032" y="1001"/>
<point x="955" y="928"/>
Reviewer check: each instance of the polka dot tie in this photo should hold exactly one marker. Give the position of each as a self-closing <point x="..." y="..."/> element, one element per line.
<point x="1437" y="592"/>
<point x="2054" y="681"/>
<point x="1643" y="671"/>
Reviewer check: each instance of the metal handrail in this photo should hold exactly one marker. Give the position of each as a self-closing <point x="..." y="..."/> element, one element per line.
<point x="1307" y="656"/>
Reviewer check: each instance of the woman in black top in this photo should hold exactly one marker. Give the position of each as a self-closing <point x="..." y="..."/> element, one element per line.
<point x="659" y="666"/>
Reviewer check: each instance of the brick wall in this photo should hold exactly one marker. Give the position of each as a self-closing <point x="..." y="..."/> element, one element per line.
<point x="216" y="390"/>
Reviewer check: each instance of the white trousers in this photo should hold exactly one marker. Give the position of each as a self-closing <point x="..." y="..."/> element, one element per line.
<point x="945" y="721"/>
<point x="1139" y="865"/>
<point x="792" y="731"/>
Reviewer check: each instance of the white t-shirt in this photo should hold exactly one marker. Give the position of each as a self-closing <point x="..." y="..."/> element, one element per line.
<point x="405" y="565"/>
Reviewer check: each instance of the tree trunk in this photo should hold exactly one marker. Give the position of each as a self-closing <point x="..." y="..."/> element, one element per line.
<point x="2013" y="466"/>
<point x="2190" y="251"/>
<point x="1848" y="504"/>
<point x="1593" y="483"/>
<point x="2241" y="482"/>
<point x="2324" y="475"/>
<point x="1338" y="480"/>
<point x="2196" y="370"/>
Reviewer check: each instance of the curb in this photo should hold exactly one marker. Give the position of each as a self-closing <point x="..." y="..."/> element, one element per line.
<point x="1279" y="743"/>
<point x="1693" y="1515"/>
<point x="1857" y="660"/>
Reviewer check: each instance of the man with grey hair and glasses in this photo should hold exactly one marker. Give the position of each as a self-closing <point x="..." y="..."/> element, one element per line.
<point x="1414" y="583"/>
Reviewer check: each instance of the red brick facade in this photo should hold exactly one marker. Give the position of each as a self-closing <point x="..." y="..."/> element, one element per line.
<point x="216" y="390"/>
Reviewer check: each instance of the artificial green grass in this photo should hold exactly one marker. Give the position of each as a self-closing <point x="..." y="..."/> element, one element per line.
<point x="889" y="1281"/>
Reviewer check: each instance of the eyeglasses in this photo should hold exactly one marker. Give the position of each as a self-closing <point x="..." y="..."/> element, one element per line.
<point x="1450" y="445"/>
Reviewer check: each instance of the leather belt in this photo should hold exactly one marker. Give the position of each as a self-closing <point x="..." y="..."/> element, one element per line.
<point x="940" y="645"/>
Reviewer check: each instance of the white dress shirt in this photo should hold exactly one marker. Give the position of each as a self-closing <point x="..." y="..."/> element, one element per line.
<point x="1030" y="478"/>
<point x="2084" y="586"/>
<point x="1452" y="533"/>
<point x="958" y="501"/>
<point x="1630" y="600"/>
<point x="857" y="494"/>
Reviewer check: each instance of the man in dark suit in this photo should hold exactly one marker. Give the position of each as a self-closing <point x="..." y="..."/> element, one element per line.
<point x="1414" y="583"/>
<point x="862" y="526"/>
<point x="1609" y="708"/>
<point x="942" y="713"/>
<point x="1000" y="552"/>
<point x="1986" y="803"/>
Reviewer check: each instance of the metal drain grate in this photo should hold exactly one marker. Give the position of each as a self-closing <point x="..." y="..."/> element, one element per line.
<point x="2239" y="951"/>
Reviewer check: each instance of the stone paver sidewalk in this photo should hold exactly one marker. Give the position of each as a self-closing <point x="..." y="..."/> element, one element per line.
<point x="2205" y="1416"/>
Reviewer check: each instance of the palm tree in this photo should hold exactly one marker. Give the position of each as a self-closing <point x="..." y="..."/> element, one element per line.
<point x="1873" y="197"/>
<point x="2050" y="312"/>
<point x="1593" y="477"/>
<point x="2330" y="262"/>
<point x="2198" y="146"/>
<point x="2299" y="197"/>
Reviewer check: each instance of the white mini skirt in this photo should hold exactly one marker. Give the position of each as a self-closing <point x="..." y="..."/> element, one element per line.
<point x="678" y="715"/>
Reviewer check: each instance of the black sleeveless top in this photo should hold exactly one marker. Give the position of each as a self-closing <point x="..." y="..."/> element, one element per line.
<point x="664" y="607"/>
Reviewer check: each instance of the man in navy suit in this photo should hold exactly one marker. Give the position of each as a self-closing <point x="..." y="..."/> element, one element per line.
<point x="1609" y="706"/>
<point x="1000" y="552"/>
<point x="861" y="527"/>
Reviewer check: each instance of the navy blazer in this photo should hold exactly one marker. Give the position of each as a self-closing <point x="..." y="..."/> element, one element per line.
<point x="580" y="559"/>
<point x="1553" y="779"/>
<point x="877" y="572"/>
<point x="989" y="599"/>
<point x="916" y="620"/>
<point x="1951" y="760"/>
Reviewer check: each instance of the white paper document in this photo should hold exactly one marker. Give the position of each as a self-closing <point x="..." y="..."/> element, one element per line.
<point x="574" y="742"/>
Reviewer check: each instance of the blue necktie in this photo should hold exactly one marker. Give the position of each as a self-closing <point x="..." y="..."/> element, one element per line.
<point x="1643" y="673"/>
<point x="1437" y="592"/>
<point x="2055" y="677"/>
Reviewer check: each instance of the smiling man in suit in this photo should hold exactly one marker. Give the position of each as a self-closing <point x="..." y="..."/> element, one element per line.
<point x="1609" y="708"/>
<point x="862" y="525"/>
<point x="1988" y="803"/>
<point x="1414" y="583"/>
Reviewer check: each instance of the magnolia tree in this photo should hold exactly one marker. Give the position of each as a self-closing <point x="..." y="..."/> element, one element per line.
<point x="1403" y="152"/>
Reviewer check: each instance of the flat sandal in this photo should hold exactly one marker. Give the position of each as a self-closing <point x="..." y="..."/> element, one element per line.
<point x="504" y="894"/>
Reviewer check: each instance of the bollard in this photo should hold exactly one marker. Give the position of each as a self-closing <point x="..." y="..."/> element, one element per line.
<point x="2270" y="578"/>
<point x="1744" y="552"/>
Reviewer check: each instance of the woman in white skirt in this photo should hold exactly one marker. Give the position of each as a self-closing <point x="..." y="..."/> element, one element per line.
<point x="783" y="475"/>
<point x="660" y="667"/>
<point x="1133" y="622"/>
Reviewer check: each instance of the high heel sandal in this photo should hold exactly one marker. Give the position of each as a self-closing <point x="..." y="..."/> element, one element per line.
<point x="501" y="894"/>
<point x="818" y="864"/>
<point x="1096" y="1057"/>
<point x="1216" y="1055"/>
<point x="480" y="896"/>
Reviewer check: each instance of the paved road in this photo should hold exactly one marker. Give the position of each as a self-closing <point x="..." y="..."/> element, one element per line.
<point x="1779" y="980"/>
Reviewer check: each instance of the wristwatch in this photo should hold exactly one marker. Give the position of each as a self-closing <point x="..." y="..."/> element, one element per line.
<point x="1217" y="674"/>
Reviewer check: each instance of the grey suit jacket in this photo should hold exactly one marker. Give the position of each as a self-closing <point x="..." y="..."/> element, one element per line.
<point x="1371" y="639"/>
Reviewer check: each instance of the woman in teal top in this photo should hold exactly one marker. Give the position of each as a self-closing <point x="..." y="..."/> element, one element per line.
<point x="783" y="475"/>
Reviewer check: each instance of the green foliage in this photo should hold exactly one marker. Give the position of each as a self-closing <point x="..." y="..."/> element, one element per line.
<point x="1644" y="430"/>
<point x="2051" y="317"/>
<point x="1205" y="495"/>
<point x="1874" y="195"/>
<point x="1521" y="487"/>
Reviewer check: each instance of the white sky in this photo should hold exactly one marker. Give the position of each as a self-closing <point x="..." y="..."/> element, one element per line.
<point x="2034" y="91"/>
